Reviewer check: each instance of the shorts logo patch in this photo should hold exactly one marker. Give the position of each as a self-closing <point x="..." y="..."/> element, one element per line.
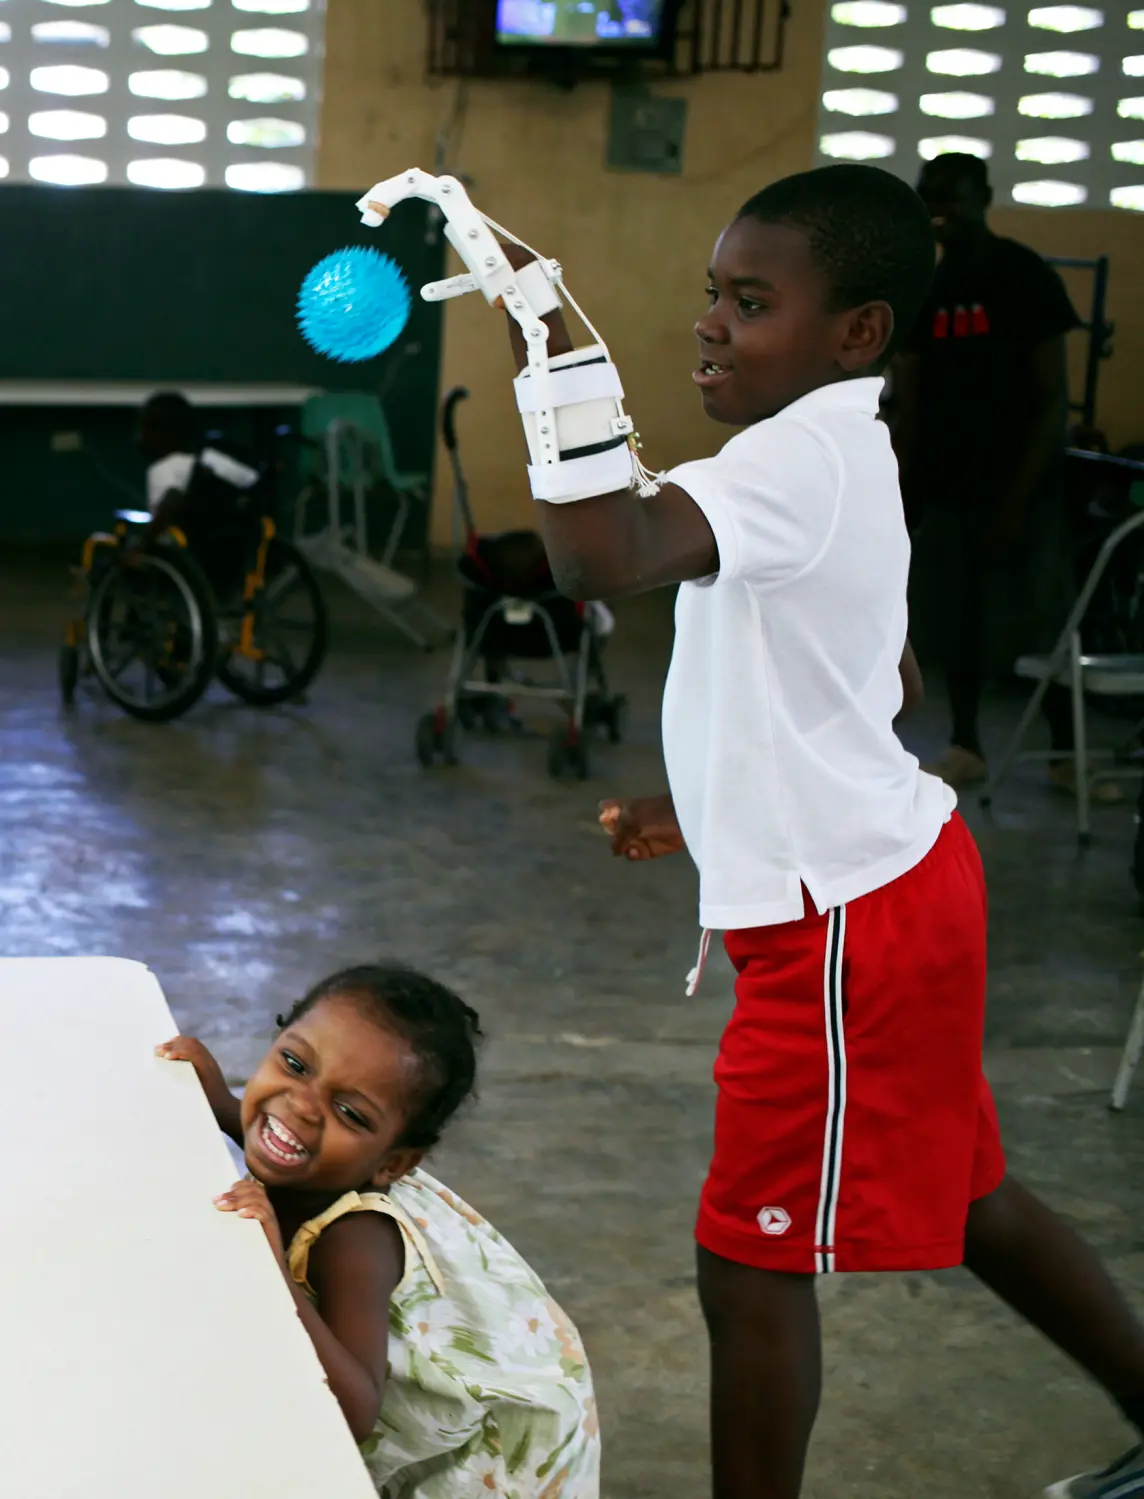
<point x="774" y="1221"/>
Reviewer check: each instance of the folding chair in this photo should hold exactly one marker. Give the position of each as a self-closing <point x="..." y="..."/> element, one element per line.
<point x="1114" y="674"/>
<point x="1130" y="1060"/>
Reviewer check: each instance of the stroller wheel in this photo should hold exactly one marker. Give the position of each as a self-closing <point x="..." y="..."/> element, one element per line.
<point x="497" y="717"/>
<point x="437" y="740"/>
<point x="69" y="673"/>
<point x="469" y="712"/>
<point x="567" y="756"/>
<point x="616" y="718"/>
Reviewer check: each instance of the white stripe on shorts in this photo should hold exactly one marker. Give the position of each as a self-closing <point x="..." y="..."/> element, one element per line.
<point x="836" y="1091"/>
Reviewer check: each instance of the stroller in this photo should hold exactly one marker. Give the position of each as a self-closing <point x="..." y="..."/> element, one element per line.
<point x="512" y="613"/>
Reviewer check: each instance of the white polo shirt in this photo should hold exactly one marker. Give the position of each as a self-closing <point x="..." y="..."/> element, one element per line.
<point x="778" y="712"/>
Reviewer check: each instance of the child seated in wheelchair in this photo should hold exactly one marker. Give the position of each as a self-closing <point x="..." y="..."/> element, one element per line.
<point x="204" y="487"/>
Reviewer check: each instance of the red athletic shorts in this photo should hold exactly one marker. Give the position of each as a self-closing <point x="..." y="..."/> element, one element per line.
<point x="854" y="1126"/>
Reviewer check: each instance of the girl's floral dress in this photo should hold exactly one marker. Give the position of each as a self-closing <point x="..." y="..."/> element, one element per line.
<point x="489" y="1390"/>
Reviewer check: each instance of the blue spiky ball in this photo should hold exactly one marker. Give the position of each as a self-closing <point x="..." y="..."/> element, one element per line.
<point x="353" y="304"/>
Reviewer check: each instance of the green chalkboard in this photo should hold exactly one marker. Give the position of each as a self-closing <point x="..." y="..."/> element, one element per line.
<point x="125" y="284"/>
<point x="129" y="284"/>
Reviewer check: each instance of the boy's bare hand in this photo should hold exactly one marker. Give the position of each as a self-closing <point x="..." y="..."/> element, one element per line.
<point x="643" y="828"/>
<point x="249" y="1200"/>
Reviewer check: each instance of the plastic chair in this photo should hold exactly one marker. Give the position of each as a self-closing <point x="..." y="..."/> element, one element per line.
<point x="365" y="411"/>
<point x="347" y="449"/>
<point x="365" y="462"/>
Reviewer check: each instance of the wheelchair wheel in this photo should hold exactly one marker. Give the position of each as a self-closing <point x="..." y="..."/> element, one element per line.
<point x="152" y="635"/>
<point x="290" y="632"/>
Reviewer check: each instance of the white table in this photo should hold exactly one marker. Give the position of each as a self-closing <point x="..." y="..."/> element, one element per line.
<point x="150" y="1348"/>
<point x="134" y="393"/>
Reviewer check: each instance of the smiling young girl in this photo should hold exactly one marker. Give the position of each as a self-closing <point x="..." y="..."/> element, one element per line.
<point x="458" y="1374"/>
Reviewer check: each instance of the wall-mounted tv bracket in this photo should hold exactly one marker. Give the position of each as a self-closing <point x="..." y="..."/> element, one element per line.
<point x="709" y="36"/>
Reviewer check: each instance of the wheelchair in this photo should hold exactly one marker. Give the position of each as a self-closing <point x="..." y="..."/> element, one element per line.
<point x="156" y="627"/>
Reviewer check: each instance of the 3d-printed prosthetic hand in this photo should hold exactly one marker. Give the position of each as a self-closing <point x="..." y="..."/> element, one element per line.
<point x="580" y="440"/>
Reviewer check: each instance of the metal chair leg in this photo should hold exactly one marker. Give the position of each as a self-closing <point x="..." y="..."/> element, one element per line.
<point x="1080" y="740"/>
<point x="1013" y="748"/>
<point x="1060" y="654"/>
<point x="1130" y="1060"/>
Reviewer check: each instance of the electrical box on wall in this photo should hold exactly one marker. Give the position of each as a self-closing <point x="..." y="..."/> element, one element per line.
<point x="645" y="134"/>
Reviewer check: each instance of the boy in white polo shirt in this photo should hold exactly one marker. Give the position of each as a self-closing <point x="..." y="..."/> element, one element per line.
<point x="854" y="1127"/>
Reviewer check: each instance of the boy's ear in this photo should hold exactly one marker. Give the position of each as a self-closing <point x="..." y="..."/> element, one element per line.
<point x="398" y="1163"/>
<point x="866" y="335"/>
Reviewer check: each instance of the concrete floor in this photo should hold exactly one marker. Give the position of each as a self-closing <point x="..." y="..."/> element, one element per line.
<point x="244" y="854"/>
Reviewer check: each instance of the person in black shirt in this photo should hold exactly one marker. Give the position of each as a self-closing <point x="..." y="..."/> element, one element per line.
<point x="982" y="399"/>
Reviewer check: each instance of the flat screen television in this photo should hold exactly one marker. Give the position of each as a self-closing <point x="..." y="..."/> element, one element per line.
<point x="604" y="25"/>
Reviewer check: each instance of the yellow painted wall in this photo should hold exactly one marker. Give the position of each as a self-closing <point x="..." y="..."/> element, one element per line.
<point x="634" y="247"/>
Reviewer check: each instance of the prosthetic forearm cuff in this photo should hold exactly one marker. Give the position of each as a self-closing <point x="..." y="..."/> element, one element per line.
<point x="575" y="426"/>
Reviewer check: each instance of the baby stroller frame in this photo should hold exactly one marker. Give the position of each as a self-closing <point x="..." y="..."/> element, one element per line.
<point x="513" y="611"/>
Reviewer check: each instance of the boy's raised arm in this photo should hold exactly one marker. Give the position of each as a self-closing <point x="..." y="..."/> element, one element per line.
<point x="617" y="544"/>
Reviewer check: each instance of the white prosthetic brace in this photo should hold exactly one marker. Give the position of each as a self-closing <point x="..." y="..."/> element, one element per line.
<point x="580" y="440"/>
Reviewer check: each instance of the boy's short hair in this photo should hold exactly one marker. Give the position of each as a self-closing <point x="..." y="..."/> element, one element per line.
<point x="869" y="232"/>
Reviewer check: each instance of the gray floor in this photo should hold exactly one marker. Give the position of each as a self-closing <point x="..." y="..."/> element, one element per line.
<point x="243" y="854"/>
